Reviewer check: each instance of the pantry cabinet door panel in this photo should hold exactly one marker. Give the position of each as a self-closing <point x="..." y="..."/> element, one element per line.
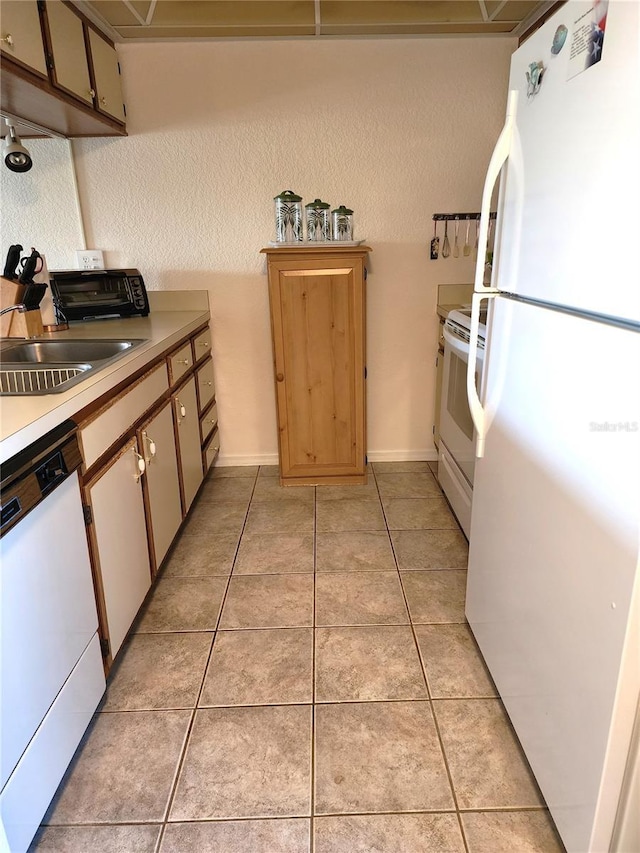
<point x="319" y="371"/>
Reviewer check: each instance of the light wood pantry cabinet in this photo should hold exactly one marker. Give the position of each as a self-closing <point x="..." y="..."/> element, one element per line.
<point x="317" y="302"/>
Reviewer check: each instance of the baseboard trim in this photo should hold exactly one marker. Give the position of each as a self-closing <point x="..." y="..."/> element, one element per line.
<point x="373" y="456"/>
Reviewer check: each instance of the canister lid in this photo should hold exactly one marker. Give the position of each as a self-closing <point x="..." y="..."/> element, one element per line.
<point x="342" y="211"/>
<point x="318" y="204"/>
<point x="288" y="195"/>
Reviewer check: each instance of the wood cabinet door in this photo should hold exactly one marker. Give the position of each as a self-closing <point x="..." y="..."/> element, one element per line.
<point x="162" y="484"/>
<point x="187" y="421"/>
<point x="22" y="35"/>
<point x="71" y="66"/>
<point x="106" y="72"/>
<point x="319" y="343"/>
<point x="119" y="536"/>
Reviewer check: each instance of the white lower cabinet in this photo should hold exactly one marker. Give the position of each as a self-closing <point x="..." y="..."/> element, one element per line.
<point x="187" y="422"/>
<point x="120" y="538"/>
<point x="162" y="483"/>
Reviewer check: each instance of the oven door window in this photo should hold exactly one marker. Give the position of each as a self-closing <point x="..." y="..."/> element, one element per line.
<point x="93" y="292"/>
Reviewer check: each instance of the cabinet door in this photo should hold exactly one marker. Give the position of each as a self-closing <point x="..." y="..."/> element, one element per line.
<point x="106" y="72"/>
<point x="164" y="512"/>
<point x="21" y="34"/>
<point x="120" y="541"/>
<point x="318" y="329"/>
<point x="188" y="438"/>
<point x="71" y="67"/>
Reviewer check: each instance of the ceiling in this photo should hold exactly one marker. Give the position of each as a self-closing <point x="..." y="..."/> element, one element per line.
<point x="159" y="20"/>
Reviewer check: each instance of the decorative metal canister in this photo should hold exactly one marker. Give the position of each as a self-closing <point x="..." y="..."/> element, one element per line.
<point x="342" y="219"/>
<point x="288" y="217"/>
<point x="318" y="225"/>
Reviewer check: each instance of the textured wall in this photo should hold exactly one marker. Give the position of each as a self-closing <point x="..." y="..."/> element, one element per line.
<point x="39" y="206"/>
<point x="394" y="128"/>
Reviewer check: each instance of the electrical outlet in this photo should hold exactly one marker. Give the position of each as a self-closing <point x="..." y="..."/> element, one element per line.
<point x="90" y="259"/>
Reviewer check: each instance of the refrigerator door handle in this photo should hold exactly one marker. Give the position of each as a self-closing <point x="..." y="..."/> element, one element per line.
<point x="498" y="159"/>
<point x="478" y="412"/>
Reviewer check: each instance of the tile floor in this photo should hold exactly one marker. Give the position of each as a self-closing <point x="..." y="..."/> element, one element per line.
<point x="302" y="678"/>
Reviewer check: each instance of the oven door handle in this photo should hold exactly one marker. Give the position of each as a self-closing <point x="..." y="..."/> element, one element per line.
<point x="478" y="412"/>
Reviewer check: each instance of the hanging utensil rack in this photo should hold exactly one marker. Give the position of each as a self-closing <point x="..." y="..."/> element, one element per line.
<point x="441" y="217"/>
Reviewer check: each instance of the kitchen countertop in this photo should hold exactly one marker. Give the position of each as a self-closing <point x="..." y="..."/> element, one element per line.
<point x="24" y="419"/>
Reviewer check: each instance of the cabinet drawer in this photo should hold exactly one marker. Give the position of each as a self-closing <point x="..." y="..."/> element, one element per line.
<point x="208" y="421"/>
<point x="206" y="384"/>
<point x="117" y="417"/>
<point x="202" y="344"/>
<point x="179" y="363"/>
<point x="211" y="451"/>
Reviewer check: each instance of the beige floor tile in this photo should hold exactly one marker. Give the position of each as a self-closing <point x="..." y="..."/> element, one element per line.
<point x="349" y="515"/>
<point x="419" y="514"/>
<point x="275" y="553"/>
<point x="277" y="835"/>
<point x="269" y="470"/>
<point x="280" y="517"/>
<point x="368" y="492"/>
<point x="359" y="598"/>
<point x="96" y="839"/>
<point x="414" y="485"/>
<point x="124" y="770"/>
<point x="379" y="757"/>
<point x="435" y="597"/>
<point x="433" y="467"/>
<point x="224" y="471"/>
<point x="430" y="549"/>
<point x="415" y="833"/>
<point x="246" y="762"/>
<point x="269" y="489"/>
<point x="219" y="517"/>
<point x="156" y="671"/>
<point x="269" y="601"/>
<point x="485" y="760"/>
<point x="268" y="667"/>
<point x="507" y="832"/>
<point x="227" y="489"/>
<point x="453" y="663"/>
<point x="182" y="604"/>
<point x="354" y="551"/>
<point x="202" y="556"/>
<point x="371" y="663"/>
<point x="400" y="467"/>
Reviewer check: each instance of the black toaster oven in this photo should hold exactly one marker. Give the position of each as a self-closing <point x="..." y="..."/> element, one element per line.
<point x="96" y="294"/>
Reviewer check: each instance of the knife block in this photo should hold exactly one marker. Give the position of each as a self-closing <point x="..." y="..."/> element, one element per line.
<point x="15" y="324"/>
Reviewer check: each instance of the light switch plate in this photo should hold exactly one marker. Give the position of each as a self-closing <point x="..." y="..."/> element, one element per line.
<point x="90" y="259"/>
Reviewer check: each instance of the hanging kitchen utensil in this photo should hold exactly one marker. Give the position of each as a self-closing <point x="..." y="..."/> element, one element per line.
<point x="475" y="245"/>
<point x="466" y="249"/>
<point x="13" y="259"/>
<point x="435" y="243"/>
<point x="446" y="246"/>
<point x="456" y="247"/>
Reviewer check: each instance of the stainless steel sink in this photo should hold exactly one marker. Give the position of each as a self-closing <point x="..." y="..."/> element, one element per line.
<point x="50" y="367"/>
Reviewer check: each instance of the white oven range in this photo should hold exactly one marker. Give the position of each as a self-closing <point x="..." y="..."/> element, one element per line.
<point x="456" y="456"/>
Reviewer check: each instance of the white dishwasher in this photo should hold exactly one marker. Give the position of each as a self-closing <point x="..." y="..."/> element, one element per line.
<point x="51" y="673"/>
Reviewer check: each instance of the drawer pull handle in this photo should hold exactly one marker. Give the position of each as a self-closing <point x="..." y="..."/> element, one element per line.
<point x="91" y="93"/>
<point x="151" y="445"/>
<point x="103" y="101"/>
<point x="8" y="39"/>
<point x="203" y="343"/>
<point x="141" y="465"/>
<point x="209" y="384"/>
<point x="181" y="410"/>
<point x="184" y="361"/>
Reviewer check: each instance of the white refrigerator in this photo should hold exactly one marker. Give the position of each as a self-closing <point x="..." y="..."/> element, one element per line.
<point x="553" y="594"/>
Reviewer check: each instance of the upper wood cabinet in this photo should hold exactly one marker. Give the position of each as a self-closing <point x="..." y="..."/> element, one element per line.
<point x="70" y="64"/>
<point x="77" y="90"/>
<point x="317" y="299"/>
<point x="21" y="35"/>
